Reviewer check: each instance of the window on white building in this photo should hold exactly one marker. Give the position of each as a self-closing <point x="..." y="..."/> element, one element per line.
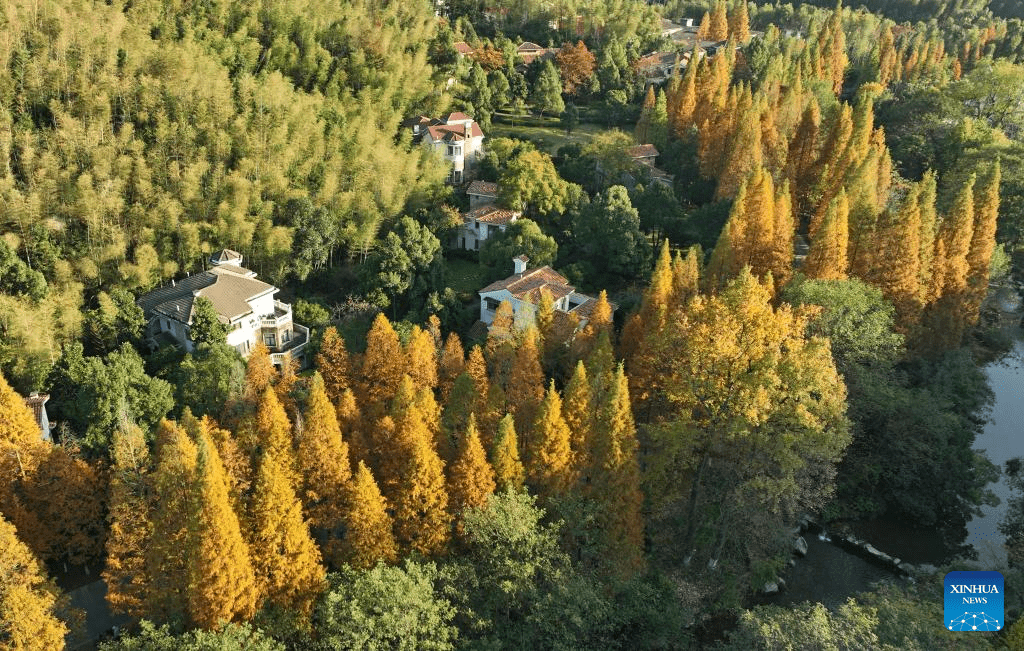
<point x="491" y="304"/>
<point x="270" y="339"/>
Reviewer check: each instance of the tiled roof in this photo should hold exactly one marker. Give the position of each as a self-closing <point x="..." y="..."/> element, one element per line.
<point x="226" y="255"/>
<point x="454" y="132"/>
<point x="528" y="47"/>
<point x="483" y="188"/>
<point x="463" y="47"/>
<point x="525" y="284"/>
<point x="491" y="214"/>
<point x="643" y="151"/>
<point x="658" y="59"/>
<point x="418" y="120"/>
<point x="228" y="290"/>
<point x="529" y="57"/>
<point x="456" y="117"/>
<point x="36" y="402"/>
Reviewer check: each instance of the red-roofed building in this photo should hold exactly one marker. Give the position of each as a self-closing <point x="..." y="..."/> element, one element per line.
<point x="523" y="290"/>
<point x="482" y="222"/>
<point x="457" y="137"/>
<point x="463" y="48"/>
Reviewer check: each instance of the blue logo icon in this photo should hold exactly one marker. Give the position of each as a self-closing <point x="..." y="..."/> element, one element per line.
<point x="974" y="601"/>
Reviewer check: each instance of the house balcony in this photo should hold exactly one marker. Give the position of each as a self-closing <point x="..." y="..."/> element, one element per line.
<point x="282" y="316"/>
<point x="294" y="347"/>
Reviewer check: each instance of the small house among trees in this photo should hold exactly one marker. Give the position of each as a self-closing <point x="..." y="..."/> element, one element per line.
<point x="480" y="223"/>
<point x="523" y="291"/>
<point x="457" y="137"/>
<point x="243" y="305"/>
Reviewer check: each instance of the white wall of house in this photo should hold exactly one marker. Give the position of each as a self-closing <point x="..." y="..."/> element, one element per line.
<point x="472" y="237"/>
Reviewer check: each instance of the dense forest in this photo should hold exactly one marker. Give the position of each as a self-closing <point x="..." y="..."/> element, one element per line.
<point x="792" y="325"/>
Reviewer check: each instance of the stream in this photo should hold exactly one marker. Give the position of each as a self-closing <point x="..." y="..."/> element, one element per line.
<point x="829" y="574"/>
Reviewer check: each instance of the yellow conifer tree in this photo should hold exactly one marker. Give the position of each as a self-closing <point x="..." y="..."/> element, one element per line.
<point x="27" y="599"/>
<point x="128" y="515"/>
<point x="826" y="259"/>
<point x="718" y="29"/>
<point x="526" y="382"/>
<point x="259" y="372"/>
<point x="333" y="363"/>
<point x="576" y="409"/>
<point x="422" y="521"/>
<point x="284" y="556"/>
<point x="222" y="587"/>
<point x="615" y="480"/>
<point x="274" y="432"/>
<point x="380" y="370"/>
<point x="983" y="241"/>
<point x="509" y="473"/>
<point x="174" y="483"/>
<point x="802" y="162"/>
<point x="471" y="478"/>
<point x="323" y="461"/>
<point x="548" y="453"/>
<point x="368" y="528"/>
<point x="896" y="270"/>
<point x="421" y="359"/>
<point x="451" y="365"/>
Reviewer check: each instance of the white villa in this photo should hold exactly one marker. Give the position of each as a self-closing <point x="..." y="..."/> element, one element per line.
<point x="457" y="137"/>
<point x="244" y="304"/>
<point x="480" y="223"/>
<point x="523" y="291"/>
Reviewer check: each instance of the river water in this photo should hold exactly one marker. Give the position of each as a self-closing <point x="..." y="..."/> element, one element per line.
<point x="830" y="574"/>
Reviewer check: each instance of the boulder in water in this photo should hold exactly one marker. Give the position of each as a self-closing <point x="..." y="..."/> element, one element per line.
<point x="800" y="546"/>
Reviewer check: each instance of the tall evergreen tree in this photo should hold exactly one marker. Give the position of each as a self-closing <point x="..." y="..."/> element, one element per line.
<point x="450" y="366"/>
<point x="471" y="478"/>
<point x="27" y="599"/>
<point x="368" y="528"/>
<point x="422" y="521"/>
<point x="381" y="368"/>
<point x="576" y="408"/>
<point x="286" y="561"/>
<point x="509" y="473"/>
<point x="983" y="240"/>
<point x="333" y="363"/>
<point x="642" y="133"/>
<point x="739" y="22"/>
<point x="421" y="359"/>
<point x="274" y="433"/>
<point x="548" y="453"/>
<point x="221" y="587"/>
<point x="526" y="382"/>
<point x="896" y="261"/>
<point x="827" y="259"/>
<point x="615" y="475"/>
<point x="167" y="567"/>
<point x="259" y="372"/>
<point x="128" y="515"/>
<point x="718" y="28"/>
<point x="323" y="461"/>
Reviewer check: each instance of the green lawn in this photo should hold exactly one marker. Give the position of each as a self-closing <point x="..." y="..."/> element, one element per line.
<point x="464" y="276"/>
<point x="546" y="133"/>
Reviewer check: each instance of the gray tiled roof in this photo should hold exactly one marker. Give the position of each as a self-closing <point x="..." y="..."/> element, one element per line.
<point x="226" y="288"/>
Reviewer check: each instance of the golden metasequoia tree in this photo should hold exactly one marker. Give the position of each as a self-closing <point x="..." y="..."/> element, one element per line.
<point x="802" y="163"/>
<point x="831" y="47"/>
<point x="284" y="556"/>
<point x="896" y="268"/>
<point x="642" y="133"/>
<point x="274" y="433"/>
<point x="422" y="520"/>
<point x="128" y="515"/>
<point x="333" y="363"/>
<point x="286" y="379"/>
<point x="222" y="587"/>
<point x="743" y="147"/>
<point x="21" y="451"/>
<point x="748" y="238"/>
<point x="835" y="159"/>
<point x="525" y="387"/>
<point x="380" y="370"/>
<point x="368" y="528"/>
<point x="259" y="372"/>
<point x="501" y="341"/>
<point x="451" y="364"/>
<point x="323" y="461"/>
<point x="548" y="453"/>
<point x="779" y="257"/>
<point x="509" y="473"/>
<point x="718" y="27"/>
<point x="599" y="322"/>
<point x="615" y="480"/>
<point x="456" y="415"/>
<point x="421" y="359"/>
<point x="350" y="420"/>
<point x="888" y="66"/>
<point x="827" y="259"/>
<point x="983" y="241"/>
<point x="167" y="561"/>
<point x="27" y="599"/>
<point x="470" y="479"/>
<point x="576" y="409"/>
<point x="476" y="368"/>
<point x="739" y="22"/>
<point x="929" y="228"/>
<point x="683" y="102"/>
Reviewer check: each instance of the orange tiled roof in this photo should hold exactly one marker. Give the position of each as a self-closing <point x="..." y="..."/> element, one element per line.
<point x="463" y="47"/>
<point x="483" y="188"/>
<point x="491" y="214"/>
<point x="533" y="280"/>
<point x="643" y="151"/>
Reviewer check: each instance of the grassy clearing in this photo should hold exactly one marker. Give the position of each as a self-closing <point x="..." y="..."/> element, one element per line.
<point x="464" y="276"/>
<point x="546" y="132"/>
